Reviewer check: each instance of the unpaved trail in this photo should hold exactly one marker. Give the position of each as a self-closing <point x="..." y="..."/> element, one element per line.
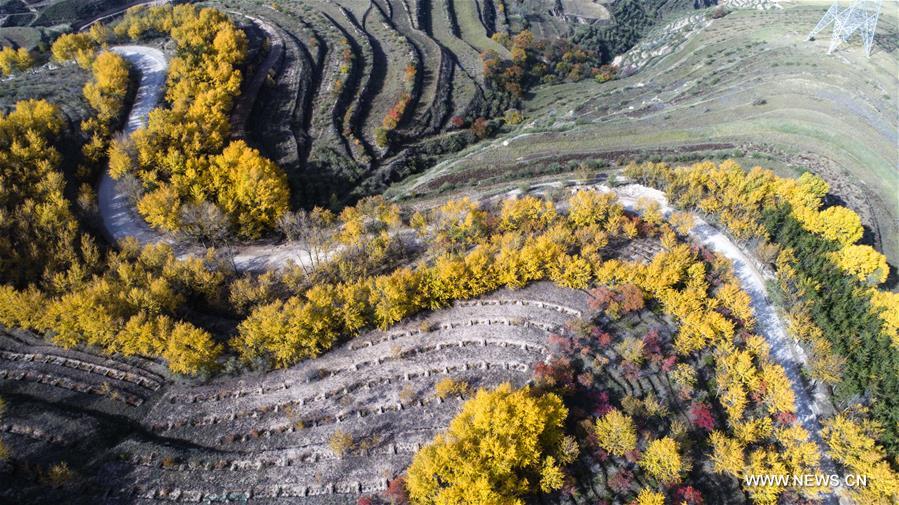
<point x="784" y="350"/>
<point x="120" y="218"/>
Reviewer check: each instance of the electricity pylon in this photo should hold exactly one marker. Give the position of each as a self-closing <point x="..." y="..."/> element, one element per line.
<point x="860" y="16"/>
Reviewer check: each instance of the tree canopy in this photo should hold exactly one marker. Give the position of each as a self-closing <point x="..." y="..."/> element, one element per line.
<point x="184" y="157"/>
<point x="504" y="445"/>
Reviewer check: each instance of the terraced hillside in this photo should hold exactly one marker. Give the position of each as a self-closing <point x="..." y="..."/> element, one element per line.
<point x="366" y="91"/>
<point x="747" y="86"/>
<point x="349" y="96"/>
<point x="359" y="80"/>
<point x="147" y="439"/>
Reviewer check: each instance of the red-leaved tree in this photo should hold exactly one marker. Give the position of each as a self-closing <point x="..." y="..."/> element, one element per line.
<point x="702" y="416"/>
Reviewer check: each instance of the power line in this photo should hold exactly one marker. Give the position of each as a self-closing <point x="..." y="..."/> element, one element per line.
<point x="861" y="16"/>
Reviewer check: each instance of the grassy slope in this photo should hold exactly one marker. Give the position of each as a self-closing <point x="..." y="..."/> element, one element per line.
<point x="61" y="85"/>
<point x="68" y="11"/>
<point x="394" y="56"/>
<point x="473" y="31"/>
<point x="465" y="54"/>
<point x="837" y="113"/>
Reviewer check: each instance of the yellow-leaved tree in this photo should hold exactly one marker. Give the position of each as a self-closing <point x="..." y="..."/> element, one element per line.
<point x="662" y="461"/>
<point x="592" y="207"/>
<point x="839" y="224"/>
<point x="863" y="262"/>
<point x="765" y="460"/>
<point x="853" y="444"/>
<point x="286" y="332"/>
<point x="37" y="229"/>
<point x="886" y="305"/>
<point x="458" y="224"/>
<point x="106" y="92"/>
<point x="106" y="95"/>
<point x="74" y="46"/>
<point x="728" y="454"/>
<point x="14" y="60"/>
<point x="649" y="497"/>
<point x="161" y="208"/>
<point x="616" y="433"/>
<point x="189" y="349"/>
<point x="503" y="445"/>
<point x="250" y="187"/>
<point x="394" y="296"/>
<point x="128" y="308"/>
<point x="779" y="394"/>
<point x="527" y="214"/>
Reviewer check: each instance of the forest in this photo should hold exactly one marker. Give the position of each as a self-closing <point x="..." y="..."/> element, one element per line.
<point x="184" y="158"/>
<point x="828" y="281"/>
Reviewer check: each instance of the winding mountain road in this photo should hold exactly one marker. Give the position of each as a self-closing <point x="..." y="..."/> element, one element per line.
<point x="119" y="216"/>
<point x="785" y="351"/>
<point x="121" y="220"/>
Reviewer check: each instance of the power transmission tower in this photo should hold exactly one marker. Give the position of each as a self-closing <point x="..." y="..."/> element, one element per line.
<point x="860" y="16"/>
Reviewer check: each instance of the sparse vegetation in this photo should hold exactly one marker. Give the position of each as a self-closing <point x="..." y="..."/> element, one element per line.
<point x="448" y="387"/>
<point x="340" y="442"/>
<point x="59" y="474"/>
